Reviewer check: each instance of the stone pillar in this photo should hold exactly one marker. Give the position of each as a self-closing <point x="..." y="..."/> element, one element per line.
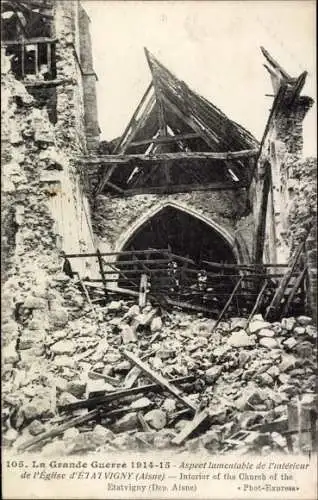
<point x="89" y="82"/>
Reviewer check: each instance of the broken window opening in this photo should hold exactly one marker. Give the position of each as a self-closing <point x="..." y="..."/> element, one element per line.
<point x="33" y="60"/>
<point x="27" y="31"/>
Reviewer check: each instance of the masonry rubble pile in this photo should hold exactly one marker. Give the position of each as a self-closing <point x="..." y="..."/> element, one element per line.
<point x="244" y="375"/>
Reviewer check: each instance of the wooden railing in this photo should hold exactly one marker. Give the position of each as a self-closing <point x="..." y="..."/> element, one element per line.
<point x="212" y="287"/>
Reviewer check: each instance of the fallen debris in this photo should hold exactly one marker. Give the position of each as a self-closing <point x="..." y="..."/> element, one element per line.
<point x="191" y="427"/>
<point x="159" y="379"/>
<point x="222" y="390"/>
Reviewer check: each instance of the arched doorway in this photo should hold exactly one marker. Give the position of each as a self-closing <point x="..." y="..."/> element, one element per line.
<point x="192" y="242"/>
<point x="183" y="233"/>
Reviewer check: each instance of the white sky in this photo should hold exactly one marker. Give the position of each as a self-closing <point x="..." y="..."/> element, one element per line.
<point x="214" y="46"/>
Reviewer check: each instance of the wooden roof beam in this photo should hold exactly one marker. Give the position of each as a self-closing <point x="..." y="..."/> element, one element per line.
<point x="184" y="188"/>
<point x="163" y="128"/>
<point x="179" y="155"/>
<point x="133" y="124"/>
<point x="132" y="128"/>
<point x="167" y="139"/>
<point x="280" y="77"/>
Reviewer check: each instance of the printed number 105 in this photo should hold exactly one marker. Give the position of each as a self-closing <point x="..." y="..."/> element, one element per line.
<point x="14" y="463"/>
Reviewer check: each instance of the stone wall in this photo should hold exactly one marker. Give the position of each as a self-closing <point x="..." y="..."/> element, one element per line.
<point x="115" y="218"/>
<point x="282" y="148"/>
<point x="44" y="211"/>
<point x="292" y="200"/>
<point x="89" y="81"/>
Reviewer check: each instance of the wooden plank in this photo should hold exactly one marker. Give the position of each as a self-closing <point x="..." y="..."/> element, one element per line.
<point x="166" y="140"/>
<point x="101" y="270"/>
<point x="132" y="377"/>
<point x="36" y="61"/>
<point x="156" y="157"/>
<point x="190" y="307"/>
<point x="87" y="296"/>
<point x="297" y="88"/>
<point x="184" y="188"/>
<point x="159" y="379"/>
<point x="120" y="273"/>
<point x="46" y="83"/>
<point x="30" y="41"/>
<point x="293" y="291"/>
<point x="260" y="224"/>
<point x="143" y="290"/>
<point x="190" y="427"/>
<point x="110" y="396"/>
<point x="163" y="129"/>
<point x="135" y="262"/>
<point x="257" y="302"/>
<point x="276" y="301"/>
<point x="107" y="378"/>
<point x="109" y="254"/>
<point x="58" y="430"/>
<point x="23" y="60"/>
<point x="225" y="308"/>
<point x="132" y="128"/>
<point x="113" y="186"/>
<point x="49" y="57"/>
<point x="132" y="125"/>
<point x="241" y="266"/>
<point x="145" y="426"/>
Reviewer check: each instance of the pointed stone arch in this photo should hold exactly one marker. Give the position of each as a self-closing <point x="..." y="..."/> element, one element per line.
<point x="235" y="243"/>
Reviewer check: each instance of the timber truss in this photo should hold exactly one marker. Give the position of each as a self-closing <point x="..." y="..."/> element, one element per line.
<point x="176" y="141"/>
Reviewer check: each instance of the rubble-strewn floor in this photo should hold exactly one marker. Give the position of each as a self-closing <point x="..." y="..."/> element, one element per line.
<point x="244" y="376"/>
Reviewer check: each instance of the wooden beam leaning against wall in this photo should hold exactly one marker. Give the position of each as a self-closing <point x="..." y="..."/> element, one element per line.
<point x="260" y="226"/>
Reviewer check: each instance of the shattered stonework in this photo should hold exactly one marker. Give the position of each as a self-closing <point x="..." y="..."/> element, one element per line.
<point x="244" y="376"/>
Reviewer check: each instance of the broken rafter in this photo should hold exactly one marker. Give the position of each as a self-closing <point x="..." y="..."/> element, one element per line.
<point x="163" y="128"/>
<point x="159" y="379"/>
<point x="192" y="122"/>
<point x="121" y="393"/>
<point x="132" y="128"/>
<point x="275" y="304"/>
<point x="298" y="282"/>
<point x="203" y="117"/>
<point x="225" y="308"/>
<point x="59" y="430"/>
<point x="275" y="67"/>
<point x="180" y="155"/>
<point x="258" y="301"/>
<point x="132" y="125"/>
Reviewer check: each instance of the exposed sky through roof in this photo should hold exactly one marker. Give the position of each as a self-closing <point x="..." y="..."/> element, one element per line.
<point x="214" y="46"/>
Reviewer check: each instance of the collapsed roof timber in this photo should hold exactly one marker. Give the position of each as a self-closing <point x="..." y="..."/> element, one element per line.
<point x="177" y="140"/>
